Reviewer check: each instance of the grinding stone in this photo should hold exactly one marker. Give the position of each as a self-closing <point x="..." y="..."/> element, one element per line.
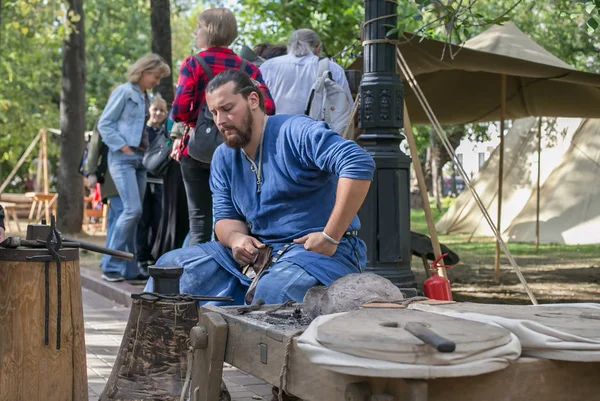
<point x="380" y="334"/>
<point x="581" y="322"/>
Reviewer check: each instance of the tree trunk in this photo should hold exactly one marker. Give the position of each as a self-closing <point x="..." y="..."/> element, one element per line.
<point x="72" y="124"/>
<point x="160" y="19"/>
<point x="435" y="172"/>
<point x="427" y="169"/>
<point x="453" y="183"/>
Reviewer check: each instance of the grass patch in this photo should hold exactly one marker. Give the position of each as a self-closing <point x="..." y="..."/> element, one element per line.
<point x="477" y="247"/>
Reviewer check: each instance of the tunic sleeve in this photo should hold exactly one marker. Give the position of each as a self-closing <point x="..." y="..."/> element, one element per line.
<point x="322" y="148"/>
<point x="220" y="185"/>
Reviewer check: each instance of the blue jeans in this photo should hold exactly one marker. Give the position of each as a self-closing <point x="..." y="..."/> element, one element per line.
<point x="202" y="275"/>
<point x="129" y="176"/>
<point x="115" y="208"/>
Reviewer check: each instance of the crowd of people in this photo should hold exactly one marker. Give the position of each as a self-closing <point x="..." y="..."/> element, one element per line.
<point x="299" y="199"/>
<point x="258" y="197"/>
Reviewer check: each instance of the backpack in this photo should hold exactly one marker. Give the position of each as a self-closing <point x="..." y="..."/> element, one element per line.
<point x="327" y="100"/>
<point x="206" y="137"/>
<point x="100" y="169"/>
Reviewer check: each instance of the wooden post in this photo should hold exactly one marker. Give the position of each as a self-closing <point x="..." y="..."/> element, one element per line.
<point x="422" y="189"/>
<point x="500" y="175"/>
<point x="539" y="171"/>
<point x="208" y="340"/>
<point x="39" y="175"/>
<point x="45" y="170"/>
<point x="20" y="162"/>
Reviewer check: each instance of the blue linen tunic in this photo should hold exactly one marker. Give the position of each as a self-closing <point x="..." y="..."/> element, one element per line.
<point x="301" y="164"/>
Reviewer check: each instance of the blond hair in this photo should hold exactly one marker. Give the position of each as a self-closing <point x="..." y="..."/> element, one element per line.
<point x="148" y="63"/>
<point x="159" y="102"/>
<point x="220" y="26"/>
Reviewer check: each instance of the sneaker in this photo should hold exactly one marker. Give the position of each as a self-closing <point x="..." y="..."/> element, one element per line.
<point x="112" y="277"/>
<point x="140" y="277"/>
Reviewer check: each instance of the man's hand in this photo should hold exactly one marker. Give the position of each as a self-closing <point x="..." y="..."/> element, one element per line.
<point x="127" y="150"/>
<point x="245" y="248"/>
<point x="92" y="180"/>
<point x="2" y="234"/>
<point x="316" y="242"/>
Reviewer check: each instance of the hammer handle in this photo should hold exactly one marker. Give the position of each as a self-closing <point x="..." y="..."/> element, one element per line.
<point x="430" y="337"/>
<point x="95" y="248"/>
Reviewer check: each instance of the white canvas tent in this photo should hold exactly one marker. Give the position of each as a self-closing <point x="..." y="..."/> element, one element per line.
<point x="520" y="178"/>
<point x="569" y="197"/>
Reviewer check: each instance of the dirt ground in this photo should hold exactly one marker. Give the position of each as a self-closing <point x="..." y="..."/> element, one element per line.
<point x="551" y="280"/>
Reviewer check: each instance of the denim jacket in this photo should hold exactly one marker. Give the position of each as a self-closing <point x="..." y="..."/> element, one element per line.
<point x="122" y="121"/>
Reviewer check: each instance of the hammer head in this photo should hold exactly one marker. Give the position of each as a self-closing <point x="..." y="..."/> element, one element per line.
<point x="11" y="242"/>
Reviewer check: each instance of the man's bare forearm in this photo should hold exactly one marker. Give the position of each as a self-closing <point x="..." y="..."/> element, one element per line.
<point x="227" y="229"/>
<point x="350" y="196"/>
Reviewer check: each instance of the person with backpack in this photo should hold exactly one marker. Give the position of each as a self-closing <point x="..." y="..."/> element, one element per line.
<point x="122" y="128"/>
<point x="216" y="30"/>
<point x="303" y="83"/>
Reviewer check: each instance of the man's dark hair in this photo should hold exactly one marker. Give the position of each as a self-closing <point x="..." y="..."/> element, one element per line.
<point x="274" y="51"/>
<point x="242" y="84"/>
<point x="269" y="50"/>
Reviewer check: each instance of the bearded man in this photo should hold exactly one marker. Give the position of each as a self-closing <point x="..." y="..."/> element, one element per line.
<point x="285" y="185"/>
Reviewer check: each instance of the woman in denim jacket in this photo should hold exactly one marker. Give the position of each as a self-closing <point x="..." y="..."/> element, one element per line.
<point x="122" y="129"/>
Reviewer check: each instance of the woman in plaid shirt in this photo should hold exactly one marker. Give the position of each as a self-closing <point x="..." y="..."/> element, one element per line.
<point x="216" y="30"/>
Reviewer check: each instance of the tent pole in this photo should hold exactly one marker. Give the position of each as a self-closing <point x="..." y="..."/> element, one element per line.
<point x="539" y="170"/>
<point x="21" y="160"/>
<point x="500" y="175"/>
<point x="435" y="244"/>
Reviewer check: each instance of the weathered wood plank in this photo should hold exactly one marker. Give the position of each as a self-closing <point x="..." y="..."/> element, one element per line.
<point x="209" y="339"/>
<point x="526" y="379"/>
<point x="29" y="369"/>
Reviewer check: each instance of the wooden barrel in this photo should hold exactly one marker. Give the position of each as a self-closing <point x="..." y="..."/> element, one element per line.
<point x="30" y="369"/>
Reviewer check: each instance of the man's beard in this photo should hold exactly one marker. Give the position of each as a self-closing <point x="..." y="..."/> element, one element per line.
<point x="237" y="138"/>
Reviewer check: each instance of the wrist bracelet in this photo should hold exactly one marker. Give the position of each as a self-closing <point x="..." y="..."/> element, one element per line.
<point x="330" y="239"/>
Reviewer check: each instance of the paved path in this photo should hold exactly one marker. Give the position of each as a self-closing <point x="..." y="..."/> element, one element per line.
<point x="105" y="323"/>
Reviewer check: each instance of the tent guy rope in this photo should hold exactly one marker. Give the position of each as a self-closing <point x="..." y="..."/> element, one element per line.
<point x="408" y="75"/>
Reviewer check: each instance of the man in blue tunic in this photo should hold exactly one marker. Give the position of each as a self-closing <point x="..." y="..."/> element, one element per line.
<point x="283" y="181"/>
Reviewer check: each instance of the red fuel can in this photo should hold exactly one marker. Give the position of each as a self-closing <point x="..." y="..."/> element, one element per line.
<point x="436" y="286"/>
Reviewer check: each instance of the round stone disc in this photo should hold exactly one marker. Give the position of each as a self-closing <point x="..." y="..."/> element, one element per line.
<point x="380" y="334"/>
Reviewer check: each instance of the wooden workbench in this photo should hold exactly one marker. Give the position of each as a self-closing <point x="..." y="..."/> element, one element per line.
<point x="258" y="348"/>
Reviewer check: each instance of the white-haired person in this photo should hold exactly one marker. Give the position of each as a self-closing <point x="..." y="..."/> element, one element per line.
<point x="291" y="77"/>
<point x="122" y="127"/>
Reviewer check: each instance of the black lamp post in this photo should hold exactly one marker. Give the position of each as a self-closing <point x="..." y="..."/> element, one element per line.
<point x="385" y="214"/>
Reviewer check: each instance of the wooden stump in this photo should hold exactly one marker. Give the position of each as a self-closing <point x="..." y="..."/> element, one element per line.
<point x="30" y="370"/>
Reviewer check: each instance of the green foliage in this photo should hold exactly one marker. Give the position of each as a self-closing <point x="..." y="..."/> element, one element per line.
<point x="30" y="39"/>
<point x="117" y="34"/>
<point x="336" y="21"/>
<point x="183" y="39"/>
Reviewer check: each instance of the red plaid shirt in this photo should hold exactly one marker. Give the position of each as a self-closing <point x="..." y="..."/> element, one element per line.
<point x="190" y="95"/>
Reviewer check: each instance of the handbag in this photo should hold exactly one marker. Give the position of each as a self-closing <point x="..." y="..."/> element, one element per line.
<point x="156" y="160"/>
